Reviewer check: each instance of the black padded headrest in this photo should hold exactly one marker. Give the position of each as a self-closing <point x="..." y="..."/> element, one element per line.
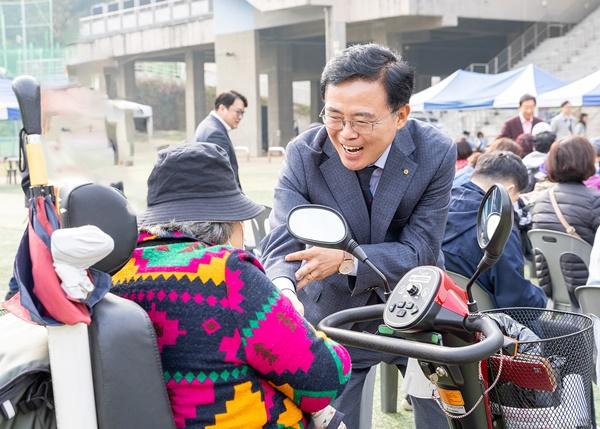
<point x="109" y="210"/>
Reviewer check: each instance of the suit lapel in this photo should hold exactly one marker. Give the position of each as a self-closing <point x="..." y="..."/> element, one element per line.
<point x="395" y="180"/>
<point x="345" y="188"/>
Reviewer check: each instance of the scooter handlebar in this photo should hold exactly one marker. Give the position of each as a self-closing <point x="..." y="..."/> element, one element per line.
<point x="492" y="342"/>
<point x="27" y="91"/>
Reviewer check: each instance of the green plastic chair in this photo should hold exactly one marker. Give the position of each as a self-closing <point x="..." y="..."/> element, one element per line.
<point x="553" y="245"/>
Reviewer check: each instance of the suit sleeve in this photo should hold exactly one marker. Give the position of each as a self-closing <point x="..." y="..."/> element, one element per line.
<point x="290" y="191"/>
<point x="420" y="240"/>
<point x="279" y="344"/>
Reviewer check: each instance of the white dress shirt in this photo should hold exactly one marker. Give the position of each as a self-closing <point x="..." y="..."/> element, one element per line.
<point x="216" y="115"/>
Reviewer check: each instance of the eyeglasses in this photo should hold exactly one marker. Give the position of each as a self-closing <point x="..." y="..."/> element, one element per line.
<point x="361" y="127"/>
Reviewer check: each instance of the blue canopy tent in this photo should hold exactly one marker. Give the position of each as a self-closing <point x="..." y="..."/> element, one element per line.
<point x="468" y="90"/>
<point x="582" y="92"/>
<point x="9" y="108"/>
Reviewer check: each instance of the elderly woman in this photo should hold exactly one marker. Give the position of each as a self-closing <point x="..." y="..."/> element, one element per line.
<point x="234" y="351"/>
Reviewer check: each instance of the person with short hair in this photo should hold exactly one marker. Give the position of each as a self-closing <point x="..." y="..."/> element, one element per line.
<point x="563" y="124"/>
<point x="390" y="177"/>
<point x="463" y="152"/>
<point x="234" y="351"/>
<point x="229" y="110"/>
<point x="543" y="138"/>
<point x="524" y="121"/>
<point x="505" y="281"/>
<point x="570" y="162"/>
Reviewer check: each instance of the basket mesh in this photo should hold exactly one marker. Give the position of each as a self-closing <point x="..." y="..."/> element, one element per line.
<point x="548" y="383"/>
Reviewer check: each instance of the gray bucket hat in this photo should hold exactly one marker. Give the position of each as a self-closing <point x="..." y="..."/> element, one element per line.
<point x="195" y="183"/>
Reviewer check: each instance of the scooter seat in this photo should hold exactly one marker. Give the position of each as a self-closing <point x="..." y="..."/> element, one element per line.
<point x="128" y="379"/>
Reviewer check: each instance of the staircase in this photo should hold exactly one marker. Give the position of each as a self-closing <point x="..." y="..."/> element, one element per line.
<point x="571" y="56"/>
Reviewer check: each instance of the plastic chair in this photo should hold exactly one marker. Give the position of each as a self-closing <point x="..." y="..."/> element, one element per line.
<point x="260" y="229"/>
<point x="553" y="245"/>
<point x="589" y="299"/>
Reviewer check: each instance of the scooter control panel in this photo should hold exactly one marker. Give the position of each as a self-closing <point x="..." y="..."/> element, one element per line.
<point x="412" y="298"/>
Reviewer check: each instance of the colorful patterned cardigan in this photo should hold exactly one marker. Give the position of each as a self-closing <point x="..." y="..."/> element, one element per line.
<point x="235" y="353"/>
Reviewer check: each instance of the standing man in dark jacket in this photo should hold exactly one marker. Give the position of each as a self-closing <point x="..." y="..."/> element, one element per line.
<point x="504" y="281"/>
<point x="522" y="123"/>
<point x="229" y="111"/>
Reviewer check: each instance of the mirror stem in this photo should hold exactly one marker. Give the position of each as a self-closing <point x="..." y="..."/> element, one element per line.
<point x="353" y="248"/>
<point x="386" y="285"/>
<point x="472" y="304"/>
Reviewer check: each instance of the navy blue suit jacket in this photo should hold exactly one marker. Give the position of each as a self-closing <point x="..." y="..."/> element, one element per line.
<point x="213" y="131"/>
<point x="407" y="220"/>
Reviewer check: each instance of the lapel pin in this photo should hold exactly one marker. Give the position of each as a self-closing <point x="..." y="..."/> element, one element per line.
<point x="405" y="171"/>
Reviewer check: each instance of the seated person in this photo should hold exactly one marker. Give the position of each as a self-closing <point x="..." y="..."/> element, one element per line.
<point x="543" y="138"/>
<point x="570" y="162"/>
<point x="504" y="281"/>
<point x="463" y="175"/>
<point x="234" y="351"/>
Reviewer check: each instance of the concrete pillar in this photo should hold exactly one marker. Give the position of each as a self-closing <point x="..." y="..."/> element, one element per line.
<point x="195" y="92"/>
<point x="316" y="102"/>
<point x="237" y="57"/>
<point x="281" y="103"/>
<point x="335" y="30"/>
<point x="125" y="80"/>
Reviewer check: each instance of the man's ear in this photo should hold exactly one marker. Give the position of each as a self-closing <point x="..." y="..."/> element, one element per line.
<point x="402" y="116"/>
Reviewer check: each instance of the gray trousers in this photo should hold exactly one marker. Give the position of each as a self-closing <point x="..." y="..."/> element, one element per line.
<point x="427" y="413"/>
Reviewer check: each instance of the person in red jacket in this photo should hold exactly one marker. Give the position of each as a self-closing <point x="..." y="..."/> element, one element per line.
<point x="524" y="121"/>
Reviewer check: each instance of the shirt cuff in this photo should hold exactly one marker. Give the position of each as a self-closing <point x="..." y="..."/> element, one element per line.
<point x="283" y="283"/>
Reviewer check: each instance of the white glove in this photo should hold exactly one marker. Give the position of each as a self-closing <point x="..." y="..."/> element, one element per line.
<point x="74" y="250"/>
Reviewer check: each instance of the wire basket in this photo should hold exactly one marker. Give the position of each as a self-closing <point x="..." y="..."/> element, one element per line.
<point x="548" y="383"/>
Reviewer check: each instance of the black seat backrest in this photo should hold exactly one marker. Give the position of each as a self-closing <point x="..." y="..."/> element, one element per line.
<point x="128" y="378"/>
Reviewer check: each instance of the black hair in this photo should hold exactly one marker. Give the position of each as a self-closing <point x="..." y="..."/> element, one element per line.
<point x="228" y="98"/>
<point x="502" y="165"/>
<point x="543" y="141"/>
<point x="372" y="62"/>
<point x="527" y="97"/>
<point x="564" y="103"/>
<point x="463" y="149"/>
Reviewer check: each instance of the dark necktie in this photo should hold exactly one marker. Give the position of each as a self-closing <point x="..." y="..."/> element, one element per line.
<point x="364" y="178"/>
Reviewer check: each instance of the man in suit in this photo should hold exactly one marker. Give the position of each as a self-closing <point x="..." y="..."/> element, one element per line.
<point x="229" y="111"/>
<point x="522" y="123"/>
<point x="390" y="177"/>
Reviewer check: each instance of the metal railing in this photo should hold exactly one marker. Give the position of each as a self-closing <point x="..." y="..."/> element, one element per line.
<point x="532" y="38"/>
<point x="148" y="15"/>
<point x="520" y="47"/>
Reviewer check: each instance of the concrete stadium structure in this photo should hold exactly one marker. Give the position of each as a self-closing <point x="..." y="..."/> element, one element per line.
<point x="290" y="40"/>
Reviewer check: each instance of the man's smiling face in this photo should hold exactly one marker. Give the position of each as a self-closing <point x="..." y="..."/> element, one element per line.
<point x="364" y="101"/>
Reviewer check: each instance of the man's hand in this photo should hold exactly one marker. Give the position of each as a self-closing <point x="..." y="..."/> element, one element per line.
<point x="319" y="264"/>
<point x="294" y="299"/>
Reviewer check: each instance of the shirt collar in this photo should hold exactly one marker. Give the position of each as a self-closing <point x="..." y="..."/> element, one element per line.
<point x="525" y="120"/>
<point x="216" y="115"/>
<point x="380" y="163"/>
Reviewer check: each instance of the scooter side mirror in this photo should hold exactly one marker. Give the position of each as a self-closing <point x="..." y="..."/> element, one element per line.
<point x="494" y="224"/>
<point x="318" y="226"/>
<point x="323" y="226"/>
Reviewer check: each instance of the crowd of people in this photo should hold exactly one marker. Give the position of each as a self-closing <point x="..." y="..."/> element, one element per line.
<point x="555" y="185"/>
<point x="410" y="197"/>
